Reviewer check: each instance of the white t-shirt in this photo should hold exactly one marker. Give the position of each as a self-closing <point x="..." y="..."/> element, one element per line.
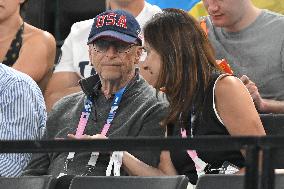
<point x="75" y="57"/>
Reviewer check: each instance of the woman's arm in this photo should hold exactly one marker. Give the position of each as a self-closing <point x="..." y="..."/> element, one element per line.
<point x="236" y="108"/>
<point x="134" y="166"/>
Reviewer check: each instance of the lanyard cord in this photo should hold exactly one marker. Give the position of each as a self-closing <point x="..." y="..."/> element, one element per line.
<point x="83" y="123"/>
<point x="200" y="165"/>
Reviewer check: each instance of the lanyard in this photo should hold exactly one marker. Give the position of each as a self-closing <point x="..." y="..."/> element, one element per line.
<point x="200" y="165"/>
<point x="82" y="125"/>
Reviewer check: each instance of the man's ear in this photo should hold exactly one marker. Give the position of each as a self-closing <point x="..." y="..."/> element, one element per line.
<point x="138" y="54"/>
<point x="90" y="55"/>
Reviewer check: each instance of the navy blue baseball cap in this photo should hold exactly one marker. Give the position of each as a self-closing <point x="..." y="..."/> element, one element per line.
<point x="117" y="24"/>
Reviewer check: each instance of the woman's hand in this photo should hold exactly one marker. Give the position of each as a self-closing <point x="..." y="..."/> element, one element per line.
<point x="87" y="137"/>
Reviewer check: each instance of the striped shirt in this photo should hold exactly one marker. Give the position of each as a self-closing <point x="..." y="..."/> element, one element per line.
<point x="22" y="116"/>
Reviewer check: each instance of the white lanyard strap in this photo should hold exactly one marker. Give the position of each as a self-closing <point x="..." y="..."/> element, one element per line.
<point x="115" y="163"/>
<point x="200" y="165"/>
<point x="83" y="123"/>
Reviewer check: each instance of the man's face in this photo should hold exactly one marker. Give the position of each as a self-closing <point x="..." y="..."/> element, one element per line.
<point x="114" y="60"/>
<point x="225" y="13"/>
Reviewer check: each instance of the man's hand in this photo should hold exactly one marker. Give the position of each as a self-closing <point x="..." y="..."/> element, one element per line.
<point x="253" y="90"/>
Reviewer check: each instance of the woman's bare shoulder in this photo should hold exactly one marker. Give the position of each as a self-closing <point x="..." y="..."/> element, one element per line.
<point x="34" y="35"/>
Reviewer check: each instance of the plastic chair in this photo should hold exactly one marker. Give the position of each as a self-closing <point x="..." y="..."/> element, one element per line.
<point x="70" y="11"/>
<point x="28" y="182"/>
<point x="273" y="123"/>
<point x="220" y="182"/>
<point x="128" y="182"/>
<point x="41" y="14"/>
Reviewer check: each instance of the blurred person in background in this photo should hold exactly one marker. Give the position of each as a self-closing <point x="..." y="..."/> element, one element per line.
<point x="251" y="40"/>
<point x="24" y="47"/>
<point x="198" y="10"/>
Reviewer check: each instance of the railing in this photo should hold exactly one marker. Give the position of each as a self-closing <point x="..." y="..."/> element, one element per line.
<point x="211" y="143"/>
<point x="270" y="146"/>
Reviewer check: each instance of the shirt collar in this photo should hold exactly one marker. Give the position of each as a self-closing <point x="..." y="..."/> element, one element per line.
<point x="90" y="85"/>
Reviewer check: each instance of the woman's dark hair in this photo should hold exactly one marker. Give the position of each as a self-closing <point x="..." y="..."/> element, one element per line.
<point x="23" y="5"/>
<point x="23" y="8"/>
<point x="188" y="60"/>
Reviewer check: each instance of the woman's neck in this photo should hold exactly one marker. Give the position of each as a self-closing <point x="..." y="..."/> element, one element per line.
<point x="10" y="26"/>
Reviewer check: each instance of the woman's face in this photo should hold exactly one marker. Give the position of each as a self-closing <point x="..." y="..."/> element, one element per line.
<point x="150" y="68"/>
<point x="9" y="8"/>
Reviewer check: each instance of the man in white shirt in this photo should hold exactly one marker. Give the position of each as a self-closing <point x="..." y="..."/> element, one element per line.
<point x="74" y="63"/>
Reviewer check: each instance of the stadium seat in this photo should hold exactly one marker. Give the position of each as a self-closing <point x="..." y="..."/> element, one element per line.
<point x="273" y="123"/>
<point x="129" y="182"/>
<point x="41" y="14"/>
<point x="230" y="182"/>
<point x="29" y="182"/>
<point x="272" y="158"/>
<point x="57" y="16"/>
<point x="71" y="11"/>
<point x="220" y="182"/>
<point x="279" y="181"/>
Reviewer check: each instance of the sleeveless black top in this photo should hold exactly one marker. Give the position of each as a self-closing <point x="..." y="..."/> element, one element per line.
<point x="206" y="123"/>
<point x="15" y="47"/>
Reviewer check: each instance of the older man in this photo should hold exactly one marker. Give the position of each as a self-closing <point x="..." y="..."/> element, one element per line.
<point x="116" y="102"/>
<point x="251" y="39"/>
<point x="74" y="63"/>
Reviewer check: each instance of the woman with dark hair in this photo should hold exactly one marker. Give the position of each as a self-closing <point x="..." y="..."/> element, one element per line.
<point x="203" y="100"/>
<point x="24" y="47"/>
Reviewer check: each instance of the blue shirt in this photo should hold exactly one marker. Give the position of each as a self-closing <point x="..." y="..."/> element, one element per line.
<point x="22" y="116"/>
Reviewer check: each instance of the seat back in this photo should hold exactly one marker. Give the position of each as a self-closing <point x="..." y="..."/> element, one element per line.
<point x="279" y="181"/>
<point x="274" y="125"/>
<point x="41" y="14"/>
<point x="123" y="182"/>
<point x="230" y="182"/>
<point x="220" y="182"/>
<point x="29" y="182"/>
<point x="70" y="11"/>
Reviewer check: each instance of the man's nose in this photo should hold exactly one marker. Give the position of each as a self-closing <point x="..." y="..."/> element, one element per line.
<point x="111" y="51"/>
<point x="212" y="6"/>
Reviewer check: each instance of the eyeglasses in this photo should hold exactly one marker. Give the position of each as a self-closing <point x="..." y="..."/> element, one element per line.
<point x="144" y="54"/>
<point x="102" y="46"/>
